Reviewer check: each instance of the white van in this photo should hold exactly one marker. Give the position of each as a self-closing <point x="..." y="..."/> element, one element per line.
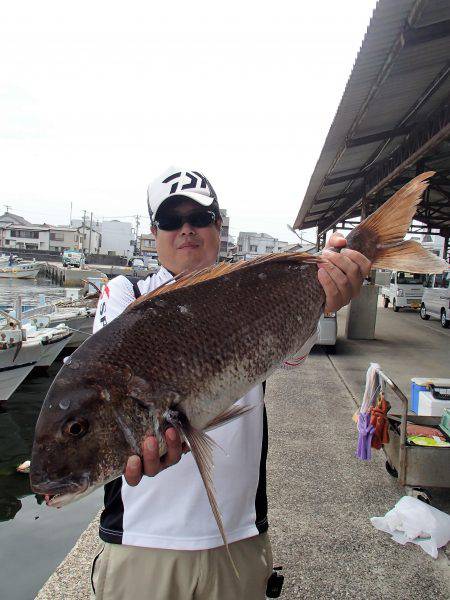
<point x="436" y="298"/>
<point x="404" y="290"/>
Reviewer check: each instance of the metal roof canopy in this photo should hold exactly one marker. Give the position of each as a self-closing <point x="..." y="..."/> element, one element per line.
<point x="392" y="121"/>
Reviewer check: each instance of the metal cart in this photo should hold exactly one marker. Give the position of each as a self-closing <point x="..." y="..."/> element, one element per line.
<point x="417" y="467"/>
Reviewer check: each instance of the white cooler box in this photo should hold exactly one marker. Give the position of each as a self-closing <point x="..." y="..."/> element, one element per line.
<point x="431" y="407"/>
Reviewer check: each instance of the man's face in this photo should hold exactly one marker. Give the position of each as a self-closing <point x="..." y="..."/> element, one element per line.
<point x="188" y="248"/>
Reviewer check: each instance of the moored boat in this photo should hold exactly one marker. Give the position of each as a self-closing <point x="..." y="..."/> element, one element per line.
<point x="79" y="319"/>
<point x="53" y="340"/>
<point x="23" y="270"/>
<point x="18" y="357"/>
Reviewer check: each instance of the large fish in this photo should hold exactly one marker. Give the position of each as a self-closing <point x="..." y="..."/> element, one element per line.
<point x="183" y="354"/>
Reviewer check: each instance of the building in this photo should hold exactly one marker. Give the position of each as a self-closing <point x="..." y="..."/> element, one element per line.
<point x="147" y="244"/>
<point x="11" y="219"/>
<point x="117" y="237"/>
<point x="24" y="237"/>
<point x="18" y="233"/>
<point x="226" y="241"/>
<point x="251" y="244"/>
<point x="48" y="237"/>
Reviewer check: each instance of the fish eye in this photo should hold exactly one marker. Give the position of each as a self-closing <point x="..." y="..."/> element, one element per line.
<point x="76" y="428"/>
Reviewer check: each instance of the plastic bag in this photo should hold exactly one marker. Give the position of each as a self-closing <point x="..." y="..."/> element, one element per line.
<point x="411" y="520"/>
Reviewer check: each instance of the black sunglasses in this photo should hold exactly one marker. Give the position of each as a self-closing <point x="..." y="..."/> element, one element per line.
<point x="198" y="218"/>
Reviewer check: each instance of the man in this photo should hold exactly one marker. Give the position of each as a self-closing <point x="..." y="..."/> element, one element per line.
<point x="161" y="541"/>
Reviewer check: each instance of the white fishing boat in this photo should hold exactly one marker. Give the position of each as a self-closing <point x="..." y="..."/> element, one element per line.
<point x="17" y="356"/>
<point x="53" y="339"/>
<point x="78" y="316"/>
<point x="23" y="270"/>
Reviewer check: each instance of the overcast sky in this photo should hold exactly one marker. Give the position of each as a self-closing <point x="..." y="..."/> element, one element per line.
<point x="98" y="98"/>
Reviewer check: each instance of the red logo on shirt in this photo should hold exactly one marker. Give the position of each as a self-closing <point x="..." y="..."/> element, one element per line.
<point x="105" y="291"/>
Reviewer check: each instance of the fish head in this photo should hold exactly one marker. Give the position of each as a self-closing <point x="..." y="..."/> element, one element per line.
<point x="79" y="443"/>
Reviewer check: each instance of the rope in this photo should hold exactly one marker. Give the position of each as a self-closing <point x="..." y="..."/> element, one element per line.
<point x="79" y="331"/>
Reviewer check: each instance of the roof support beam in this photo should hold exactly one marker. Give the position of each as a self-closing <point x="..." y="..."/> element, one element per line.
<point x="333" y="198"/>
<point x="421" y="141"/>
<point x="428" y="33"/>
<point x="376" y="137"/>
<point x="342" y="178"/>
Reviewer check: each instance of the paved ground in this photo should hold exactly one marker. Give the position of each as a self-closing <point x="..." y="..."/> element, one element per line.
<point x="321" y="499"/>
<point x="405" y="346"/>
<point x="320" y="496"/>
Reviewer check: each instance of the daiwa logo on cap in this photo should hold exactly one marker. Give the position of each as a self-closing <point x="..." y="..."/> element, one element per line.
<point x="196" y="180"/>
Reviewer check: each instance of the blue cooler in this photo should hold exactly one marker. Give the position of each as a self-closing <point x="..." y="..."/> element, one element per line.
<point x="419" y="384"/>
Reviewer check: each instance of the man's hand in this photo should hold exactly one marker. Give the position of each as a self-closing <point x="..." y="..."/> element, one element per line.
<point x="344" y="274"/>
<point x="151" y="464"/>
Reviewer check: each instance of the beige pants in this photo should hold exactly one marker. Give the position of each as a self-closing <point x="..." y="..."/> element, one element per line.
<point x="132" y="573"/>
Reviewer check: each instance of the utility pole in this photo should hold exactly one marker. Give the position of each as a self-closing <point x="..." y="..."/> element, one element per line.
<point x="137" y="233"/>
<point x="90" y="235"/>
<point x="84" y="228"/>
<point x="7" y="207"/>
<point x="70" y="217"/>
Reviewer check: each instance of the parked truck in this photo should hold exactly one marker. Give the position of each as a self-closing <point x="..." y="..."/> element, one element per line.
<point x="404" y="290"/>
<point x="73" y="258"/>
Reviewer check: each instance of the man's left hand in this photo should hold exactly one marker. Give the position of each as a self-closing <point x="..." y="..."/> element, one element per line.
<point x="343" y="273"/>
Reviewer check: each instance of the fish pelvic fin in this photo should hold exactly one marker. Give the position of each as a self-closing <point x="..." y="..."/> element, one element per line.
<point x="227" y="416"/>
<point x="380" y="236"/>
<point x="201" y="446"/>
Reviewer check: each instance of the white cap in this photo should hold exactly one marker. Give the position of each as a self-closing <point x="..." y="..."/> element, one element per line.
<point x="178" y="182"/>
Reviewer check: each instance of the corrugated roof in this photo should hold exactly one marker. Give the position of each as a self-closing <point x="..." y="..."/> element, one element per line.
<point x="400" y="81"/>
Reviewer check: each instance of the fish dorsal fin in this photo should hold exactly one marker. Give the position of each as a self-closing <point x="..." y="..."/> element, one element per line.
<point x="223" y="269"/>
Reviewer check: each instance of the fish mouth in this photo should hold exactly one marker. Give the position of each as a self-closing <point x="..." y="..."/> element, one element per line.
<point x="59" y="500"/>
<point x="60" y="493"/>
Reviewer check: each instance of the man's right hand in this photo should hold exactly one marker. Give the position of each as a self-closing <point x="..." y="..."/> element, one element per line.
<point x="151" y="464"/>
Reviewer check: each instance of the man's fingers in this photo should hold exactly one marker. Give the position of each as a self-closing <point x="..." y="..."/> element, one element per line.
<point x="174" y="448"/>
<point x="347" y="274"/>
<point x="363" y="263"/>
<point x="150" y="457"/>
<point x="342" y="281"/>
<point x="337" y="240"/>
<point x="151" y="463"/>
<point x="133" y="471"/>
<point x="333" y="295"/>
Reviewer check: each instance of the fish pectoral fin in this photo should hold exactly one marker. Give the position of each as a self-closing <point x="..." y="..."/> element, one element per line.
<point x="228" y="415"/>
<point x="201" y="446"/>
<point x="139" y="389"/>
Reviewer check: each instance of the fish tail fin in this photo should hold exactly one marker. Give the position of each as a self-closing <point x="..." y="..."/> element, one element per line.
<point x="380" y="236"/>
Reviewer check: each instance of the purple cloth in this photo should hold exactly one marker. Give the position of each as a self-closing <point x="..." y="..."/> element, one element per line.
<point x="365" y="435"/>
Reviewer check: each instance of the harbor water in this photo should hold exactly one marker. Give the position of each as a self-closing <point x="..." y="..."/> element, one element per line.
<point x="33" y="538"/>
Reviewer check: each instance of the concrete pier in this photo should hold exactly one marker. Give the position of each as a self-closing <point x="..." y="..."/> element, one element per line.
<point x="73" y="276"/>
